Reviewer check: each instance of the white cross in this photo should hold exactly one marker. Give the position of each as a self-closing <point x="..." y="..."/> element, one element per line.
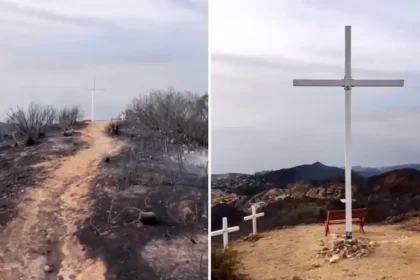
<point x="254" y="217"/>
<point x="225" y="232"/>
<point x="93" y="89"/>
<point x="348" y="83"/>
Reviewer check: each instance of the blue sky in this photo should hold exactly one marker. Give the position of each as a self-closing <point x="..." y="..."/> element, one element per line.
<point x="260" y="121"/>
<point x="51" y="50"/>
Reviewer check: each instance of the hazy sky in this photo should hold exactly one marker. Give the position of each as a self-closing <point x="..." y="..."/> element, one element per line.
<point x="50" y="50"/>
<point x="261" y="122"/>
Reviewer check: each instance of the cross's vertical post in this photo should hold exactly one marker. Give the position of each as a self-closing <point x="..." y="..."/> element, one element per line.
<point x="93" y="93"/>
<point x="254" y="217"/>
<point x="254" y="220"/>
<point x="225" y="232"/>
<point x="347" y="140"/>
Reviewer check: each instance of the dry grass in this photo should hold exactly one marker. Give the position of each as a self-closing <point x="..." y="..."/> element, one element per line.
<point x="225" y="264"/>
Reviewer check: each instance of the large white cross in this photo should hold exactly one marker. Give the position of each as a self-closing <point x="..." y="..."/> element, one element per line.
<point x="93" y="89"/>
<point x="254" y="217"/>
<point x="348" y="83"/>
<point x="225" y="232"/>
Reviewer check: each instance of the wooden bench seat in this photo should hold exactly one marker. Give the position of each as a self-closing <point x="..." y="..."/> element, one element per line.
<point x="339" y="217"/>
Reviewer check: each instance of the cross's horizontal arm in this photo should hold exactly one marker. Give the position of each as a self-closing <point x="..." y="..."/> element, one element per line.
<point x="217" y="232"/>
<point x="318" y="83"/>
<point x="377" y="83"/>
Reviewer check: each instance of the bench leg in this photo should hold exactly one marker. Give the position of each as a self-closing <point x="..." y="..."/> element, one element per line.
<point x="361" y="227"/>
<point x="327" y="229"/>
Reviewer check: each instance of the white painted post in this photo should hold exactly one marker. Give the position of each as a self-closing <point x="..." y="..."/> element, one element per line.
<point x="225" y="232"/>
<point x="347" y="140"/>
<point x="254" y="217"/>
<point x="348" y="83"/>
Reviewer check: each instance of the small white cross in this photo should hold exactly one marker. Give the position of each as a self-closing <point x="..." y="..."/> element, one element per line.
<point x="225" y="231"/>
<point x="254" y="217"/>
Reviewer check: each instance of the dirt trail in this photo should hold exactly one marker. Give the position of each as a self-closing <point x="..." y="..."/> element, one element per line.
<point x="50" y="214"/>
<point x="291" y="254"/>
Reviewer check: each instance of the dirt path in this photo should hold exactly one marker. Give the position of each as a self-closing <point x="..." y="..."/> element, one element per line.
<point x="50" y="214"/>
<point x="291" y="254"/>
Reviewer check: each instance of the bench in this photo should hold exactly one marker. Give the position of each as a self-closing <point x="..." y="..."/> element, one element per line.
<point x="339" y="217"/>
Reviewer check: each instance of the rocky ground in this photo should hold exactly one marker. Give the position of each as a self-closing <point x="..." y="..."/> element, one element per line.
<point x="302" y="253"/>
<point x="91" y="206"/>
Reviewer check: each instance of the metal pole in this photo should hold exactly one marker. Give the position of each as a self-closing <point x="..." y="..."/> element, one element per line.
<point x="347" y="159"/>
<point x="93" y="93"/>
<point x="91" y="109"/>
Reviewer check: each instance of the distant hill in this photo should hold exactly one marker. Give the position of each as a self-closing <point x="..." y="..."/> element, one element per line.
<point x="373" y="171"/>
<point x="402" y="166"/>
<point x="249" y="185"/>
<point x="307" y="172"/>
<point x="394" y="182"/>
<point x="252" y="184"/>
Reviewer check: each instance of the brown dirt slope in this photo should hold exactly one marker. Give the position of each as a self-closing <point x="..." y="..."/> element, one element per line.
<point x="291" y="254"/>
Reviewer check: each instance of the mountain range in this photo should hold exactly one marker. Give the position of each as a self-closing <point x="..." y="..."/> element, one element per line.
<point x="372" y="171"/>
<point x="304" y="194"/>
<point x="248" y="184"/>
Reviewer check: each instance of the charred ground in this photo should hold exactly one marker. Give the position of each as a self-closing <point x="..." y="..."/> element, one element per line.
<point x="150" y="174"/>
<point x="23" y="166"/>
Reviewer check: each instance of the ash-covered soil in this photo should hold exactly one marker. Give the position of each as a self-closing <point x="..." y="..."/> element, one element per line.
<point x="149" y="174"/>
<point x="23" y="167"/>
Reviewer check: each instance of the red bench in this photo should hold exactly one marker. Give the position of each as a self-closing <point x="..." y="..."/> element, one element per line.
<point x="339" y="217"/>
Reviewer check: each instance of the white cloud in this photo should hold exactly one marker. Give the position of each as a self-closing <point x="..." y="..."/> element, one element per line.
<point x="54" y="48"/>
<point x="259" y="47"/>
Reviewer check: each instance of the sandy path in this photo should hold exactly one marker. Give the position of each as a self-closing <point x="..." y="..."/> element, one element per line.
<point x="288" y="253"/>
<point x="49" y="216"/>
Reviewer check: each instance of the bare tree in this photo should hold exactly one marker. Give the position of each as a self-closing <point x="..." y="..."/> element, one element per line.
<point x="33" y="122"/>
<point x="69" y="116"/>
<point x="172" y="112"/>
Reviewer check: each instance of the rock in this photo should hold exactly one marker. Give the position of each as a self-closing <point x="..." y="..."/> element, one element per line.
<point x="148" y="218"/>
<point x="334" y="258"/>
<point x="349" y="256"/>
<point x="337" y="243"/>
<point x="315" y="265"/>
<point x="47" y="268"/>
<point x="130" y="216"/>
